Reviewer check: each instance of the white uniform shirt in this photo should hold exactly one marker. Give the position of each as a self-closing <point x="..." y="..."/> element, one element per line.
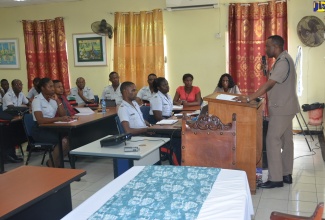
<point x="32" y="93"/>
<point x="133" y="115"/>
<point x="87" y="92"/>
<point x="159" y="102"/>
<point x="145" y="93"/>
<point x="48" y="108"/>
<point x="110" y="93"/>
<point x="10" y="98"/>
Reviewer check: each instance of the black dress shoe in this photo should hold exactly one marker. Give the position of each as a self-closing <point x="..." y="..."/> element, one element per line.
<point x="287" y="179"/>
<point x="271" y="184"/>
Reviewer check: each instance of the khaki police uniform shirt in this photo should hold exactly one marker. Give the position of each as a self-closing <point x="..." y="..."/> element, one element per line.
<point x="282" y="98"/>
<point x="110" y="93"/>
<point x="131" y="114"/>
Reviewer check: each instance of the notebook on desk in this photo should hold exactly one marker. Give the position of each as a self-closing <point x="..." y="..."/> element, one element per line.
<point x="167" y="122"/>
<point x="84" y="111"/>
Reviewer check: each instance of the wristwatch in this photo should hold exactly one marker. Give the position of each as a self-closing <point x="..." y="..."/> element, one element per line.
<point x="247" y="99"/>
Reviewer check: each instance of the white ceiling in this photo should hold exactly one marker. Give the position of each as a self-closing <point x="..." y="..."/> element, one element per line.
<point x="15" y="3"/>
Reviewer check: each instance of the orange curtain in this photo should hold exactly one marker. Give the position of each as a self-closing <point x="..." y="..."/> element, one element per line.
<point x="249" y="27"/>
<point x="138" y="45"/>
<point x="45" y="48"/>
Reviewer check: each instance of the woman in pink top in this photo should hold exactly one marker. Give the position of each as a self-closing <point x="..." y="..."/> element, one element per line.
<point x="188" y="94"/>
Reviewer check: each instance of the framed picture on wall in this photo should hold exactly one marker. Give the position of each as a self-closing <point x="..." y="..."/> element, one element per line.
<point x="89" y="50"/>
<point x="9" y="54"/>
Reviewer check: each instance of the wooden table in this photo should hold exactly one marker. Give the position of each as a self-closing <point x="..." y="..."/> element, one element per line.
<point x="166" y="129"/>
<point x="187" y="108"/>
<point x="86" y="129"/>
<point x="29" y="192"/>
<point x="122" y="161"/>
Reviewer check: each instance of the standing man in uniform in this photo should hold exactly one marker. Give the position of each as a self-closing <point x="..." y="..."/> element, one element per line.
<point x="81" y="93"/>
<point x="113" y="91"/>
<point x="282" y="105"/>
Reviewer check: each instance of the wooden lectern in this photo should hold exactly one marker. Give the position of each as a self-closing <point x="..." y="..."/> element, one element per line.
<point x="249" y="132"/>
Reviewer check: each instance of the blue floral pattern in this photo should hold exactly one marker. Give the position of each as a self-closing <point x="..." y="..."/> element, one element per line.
<point x="161" y="192"/>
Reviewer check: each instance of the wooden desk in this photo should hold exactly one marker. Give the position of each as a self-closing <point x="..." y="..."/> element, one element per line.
<point x="29" y="192"/>
<point x="122" y="161"/>
<point x="187" y="108"/>
<point x="86" y="129"/>
<point x="229" y="198"/>
<point x="166" y="129"/>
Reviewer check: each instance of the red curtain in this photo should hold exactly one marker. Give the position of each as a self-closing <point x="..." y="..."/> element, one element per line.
<point x="45" y="48"/>
<point x="249" y="27"/>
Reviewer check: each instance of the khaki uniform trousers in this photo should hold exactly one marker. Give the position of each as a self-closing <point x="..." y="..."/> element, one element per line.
<point x="279" y="136"/>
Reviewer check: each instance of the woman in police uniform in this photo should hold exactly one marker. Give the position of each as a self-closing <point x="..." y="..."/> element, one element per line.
<point x="161" y="104"/>
<point x="45" y="107"/>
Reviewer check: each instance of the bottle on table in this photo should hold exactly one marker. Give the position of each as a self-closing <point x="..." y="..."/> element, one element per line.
<point x="103" y="106"/>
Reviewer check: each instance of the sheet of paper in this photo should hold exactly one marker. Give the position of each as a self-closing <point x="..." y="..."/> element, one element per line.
<point x="84" y="111"/>
<point x="166" y="122"/>
<point x="177" y="107"/>
<point x="79" y="114"/>
<point x="226" y="97"/>
<point x="59" y="122"/>
<point x="196" y="112"/>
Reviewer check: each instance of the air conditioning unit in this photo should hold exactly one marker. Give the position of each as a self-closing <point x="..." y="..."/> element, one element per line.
<point x="173" y="5"/>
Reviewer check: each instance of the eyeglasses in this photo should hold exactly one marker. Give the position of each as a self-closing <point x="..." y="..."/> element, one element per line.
<point x="18" y="84"/>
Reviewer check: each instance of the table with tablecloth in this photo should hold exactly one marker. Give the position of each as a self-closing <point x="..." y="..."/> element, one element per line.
<point x="226" y="197"/>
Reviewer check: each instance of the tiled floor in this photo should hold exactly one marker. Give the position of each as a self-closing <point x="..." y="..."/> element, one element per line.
<point x="300" y="198"/>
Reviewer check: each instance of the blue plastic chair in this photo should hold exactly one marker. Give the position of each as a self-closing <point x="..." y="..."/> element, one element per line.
<point x="146" y="116"/>
<point x="96" y="99"/>
<point x="119" y="125"/>
<point x="28" y="126"/>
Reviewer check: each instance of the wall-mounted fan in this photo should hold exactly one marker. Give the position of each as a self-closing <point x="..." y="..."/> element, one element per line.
<point x="102" y="28"/>
<point x="310" y="30"/>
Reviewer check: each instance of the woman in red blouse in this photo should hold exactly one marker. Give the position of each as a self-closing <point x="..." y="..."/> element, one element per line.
<point x="188" y="94"/>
